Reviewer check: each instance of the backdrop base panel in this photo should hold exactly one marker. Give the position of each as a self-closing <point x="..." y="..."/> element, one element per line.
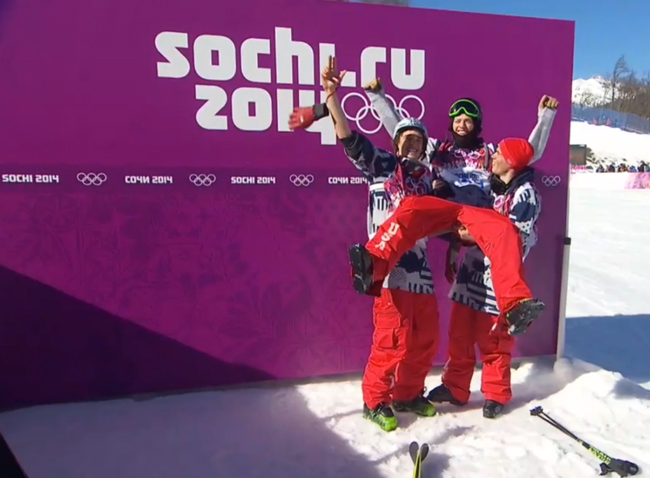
<point x="545" y="361"/>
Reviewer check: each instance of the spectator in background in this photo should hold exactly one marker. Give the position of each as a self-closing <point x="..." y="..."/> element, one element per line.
<point x="643" y="167"/>
<point x="600" y="169"/>
<point x="632" y="169"/>
<point x="611" y="168"/>
<point x="622" y="168"/>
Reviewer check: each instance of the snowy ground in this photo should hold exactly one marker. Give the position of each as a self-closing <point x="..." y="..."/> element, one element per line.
<point x="612" y="145"/>
<point x="316" y="431"/>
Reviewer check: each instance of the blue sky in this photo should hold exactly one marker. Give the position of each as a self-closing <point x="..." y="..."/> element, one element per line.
<point x="605" y="29"/>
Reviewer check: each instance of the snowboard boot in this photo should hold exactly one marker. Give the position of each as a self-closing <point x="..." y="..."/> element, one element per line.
<point x="362" y="271"/>
<point x="441" y="394"/>
<point x="524" y="313"/>
<point x="419" y="405"/>
<point x="491" y="409"/>
<point x="382" y="415"/>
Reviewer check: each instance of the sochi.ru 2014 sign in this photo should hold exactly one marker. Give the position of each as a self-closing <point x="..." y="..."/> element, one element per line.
<point x="181" y="57"/>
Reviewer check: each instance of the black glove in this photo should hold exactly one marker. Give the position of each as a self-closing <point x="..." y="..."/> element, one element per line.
<point x="497" y="186"/>
<point x="444" y="191"/>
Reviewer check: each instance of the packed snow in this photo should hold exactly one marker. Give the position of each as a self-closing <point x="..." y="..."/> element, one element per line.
<point x="316" y="430"/>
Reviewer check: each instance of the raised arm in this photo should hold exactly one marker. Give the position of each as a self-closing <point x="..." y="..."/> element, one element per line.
<point x="368" y="159"/>
<point x="386" y="112"/>
<point x="384" y="108"/>
<point x="539" y="136"/>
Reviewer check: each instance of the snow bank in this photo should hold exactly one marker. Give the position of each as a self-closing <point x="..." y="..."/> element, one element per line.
<point x="610" y="181"/>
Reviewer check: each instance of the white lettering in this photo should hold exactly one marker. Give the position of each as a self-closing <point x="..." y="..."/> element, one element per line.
<point x="402" y="80"/>
<point x="137" y="179"/>
<point x="370" y="56"/>
<point x="285" y="50"/>
<point x="285" y="102"/>
<point x="168" y="44"/>
<point x="47" y="178"/>
<point x="204" y="48"/>
<point x="17" y="178"/>
<point x="266" y="180"/>
<point x="215" y="99"/>
<point x="325" y="50"/>
<point x="388" y="235"/>
<point x="162" y="180"/>
<point x="290" y="61"/>
<point x="242" y="180"/>
<point x="347" y="180"/>
<point x="251" y="50"/>
<point x="262" y="116"/>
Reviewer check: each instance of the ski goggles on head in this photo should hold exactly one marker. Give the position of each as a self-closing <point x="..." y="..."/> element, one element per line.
<point x="467" y="107"/>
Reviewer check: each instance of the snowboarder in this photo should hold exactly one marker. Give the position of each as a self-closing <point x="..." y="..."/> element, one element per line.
<point x="475" y="316"/>
<point x="405" y="311"/>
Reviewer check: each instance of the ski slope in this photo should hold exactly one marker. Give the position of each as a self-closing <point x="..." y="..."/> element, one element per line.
<point x="612" y="145"/>
<point x="609" y="145"/>
<point x="315" y="430"/>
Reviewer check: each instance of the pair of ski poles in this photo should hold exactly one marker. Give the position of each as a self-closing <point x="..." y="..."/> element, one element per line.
<point x="609" y="465"/>
<point x="622" y="467"/>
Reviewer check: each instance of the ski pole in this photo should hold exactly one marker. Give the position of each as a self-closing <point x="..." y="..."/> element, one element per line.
<point x="608" y="465"/>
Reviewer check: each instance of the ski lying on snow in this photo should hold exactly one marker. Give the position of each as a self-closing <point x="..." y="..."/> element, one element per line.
<point x="418" y="454"/>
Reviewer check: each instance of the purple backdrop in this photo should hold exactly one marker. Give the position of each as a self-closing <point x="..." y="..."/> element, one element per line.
<point x="112" y="285"/>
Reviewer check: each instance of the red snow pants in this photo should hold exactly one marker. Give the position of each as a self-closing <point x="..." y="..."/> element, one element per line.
<point x="425" y="216"/>
<point x="404" y="343"/>
<point x="467" y="328"/>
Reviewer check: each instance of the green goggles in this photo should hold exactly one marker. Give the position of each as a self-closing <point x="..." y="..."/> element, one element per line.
<point x="467" y="107"/>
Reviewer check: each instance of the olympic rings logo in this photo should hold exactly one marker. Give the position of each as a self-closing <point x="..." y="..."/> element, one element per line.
<point x="301" y="180"/>
<point x="202" y="179"/>
<point x="368" y="108"/>
<point x="91" y="179"/>
<point x="551" y="181"/>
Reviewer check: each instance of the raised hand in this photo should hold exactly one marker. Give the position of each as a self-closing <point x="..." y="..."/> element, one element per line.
<point x="331" y="78"/>
<point x="548" y="102"/>
<point x="374" y="86"/>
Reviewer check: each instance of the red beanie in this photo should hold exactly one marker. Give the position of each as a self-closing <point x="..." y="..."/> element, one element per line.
<point x="517" y="152"/>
